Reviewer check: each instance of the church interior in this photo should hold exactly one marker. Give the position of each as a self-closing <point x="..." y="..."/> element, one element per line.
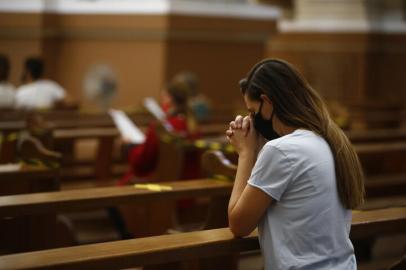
<point x="119" y="123"/>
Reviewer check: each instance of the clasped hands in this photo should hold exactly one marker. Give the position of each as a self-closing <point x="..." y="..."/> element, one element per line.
<point x="242" y="135"/>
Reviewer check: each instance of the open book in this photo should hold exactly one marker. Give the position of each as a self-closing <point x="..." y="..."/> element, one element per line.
<point x="154" y="108"/>
<point x="127" y="128"/>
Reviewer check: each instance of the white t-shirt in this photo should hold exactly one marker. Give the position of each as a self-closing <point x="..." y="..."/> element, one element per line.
<point x="306" y="227"/>
<point x="7" y="95"/>
<point x="41" y="94"/>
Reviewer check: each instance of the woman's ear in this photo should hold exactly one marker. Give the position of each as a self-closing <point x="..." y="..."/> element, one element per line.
<point x="266" y="98"/>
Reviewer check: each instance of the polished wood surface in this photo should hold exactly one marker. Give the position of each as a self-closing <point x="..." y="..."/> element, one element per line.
<point x="171" y="248"/>
<point x="107" y="196"/>
<point x="28" y="179"/>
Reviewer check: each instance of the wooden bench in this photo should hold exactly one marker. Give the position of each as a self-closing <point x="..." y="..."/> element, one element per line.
<point x="376" y="135"/>
<point x="105" y="145"/>
<point x="8" y="138"/>
<point x="179" y="247"/>
<point x="82" y="199"/>
<point x="27" y="232"/>
<point x="28" y="179"/>
<point x="214" y="214"/>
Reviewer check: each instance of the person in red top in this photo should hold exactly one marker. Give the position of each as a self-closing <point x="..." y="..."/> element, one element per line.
<point x="143" y="158"/>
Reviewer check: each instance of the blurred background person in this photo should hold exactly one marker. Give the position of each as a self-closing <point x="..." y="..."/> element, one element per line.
<point x="198" y="103"/>
<point x="143" y="158"/>
<point x="37" y="92"/>
<point x="7" y="90"/>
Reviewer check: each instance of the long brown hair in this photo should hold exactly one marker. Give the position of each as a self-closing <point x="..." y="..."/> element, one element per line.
<point x="297" y="104"/>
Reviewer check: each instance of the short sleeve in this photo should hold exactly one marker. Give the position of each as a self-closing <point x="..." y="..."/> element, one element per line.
<point x="58" y="92"/>
<point x="272" y="172"/>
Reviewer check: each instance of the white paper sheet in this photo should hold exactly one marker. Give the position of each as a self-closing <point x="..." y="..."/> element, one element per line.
<point x="12" y="167"/>
<point x="154" y="108"/>
<point x="157" y="111"/>
<point x="127" y="128"/>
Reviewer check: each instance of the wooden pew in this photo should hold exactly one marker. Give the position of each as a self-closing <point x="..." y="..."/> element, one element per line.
<point x="28" y="179"/>
<point x="25" y="178"/>
<point x="8" y="140"/>
<point x="70" y="200"/>
<point x="105" y="137"/>
<point x="36" y="206"/>
<point x="25" y="232"/>
<point x="145" y="223"/>
<point x="104" y="156"/>
<point x="28" y="233"/>
<point x="14" y="134"/>
<point x="376" y="135"/>
<point x="82" y="199"/>
<point x="179" y="247"/>
<point x="85" y="199"/>
<point x="383" y="163"/>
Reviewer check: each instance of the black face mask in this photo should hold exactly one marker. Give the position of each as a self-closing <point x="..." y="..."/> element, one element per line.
<point x="264" y="127"/>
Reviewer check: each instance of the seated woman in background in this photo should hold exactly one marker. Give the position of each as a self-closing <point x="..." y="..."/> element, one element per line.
<point x="197" y="102"/>
<point x="37" y="92"/>
<point x="143" y="158"/>
<point x="7" y="90"/>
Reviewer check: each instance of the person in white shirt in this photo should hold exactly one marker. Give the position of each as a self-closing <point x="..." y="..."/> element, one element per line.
<point x="38" y="93"/>
<point x="298" y="176"/>
<point x="7" y="90"/>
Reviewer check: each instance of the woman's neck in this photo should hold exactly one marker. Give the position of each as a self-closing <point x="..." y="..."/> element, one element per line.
<point x="283" y="129"/>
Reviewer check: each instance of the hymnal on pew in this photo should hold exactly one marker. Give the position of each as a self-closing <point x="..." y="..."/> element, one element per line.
<point x="126" y="127"/>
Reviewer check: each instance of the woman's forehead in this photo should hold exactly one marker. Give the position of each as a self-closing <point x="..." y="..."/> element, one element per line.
<point x="251" y="105"/>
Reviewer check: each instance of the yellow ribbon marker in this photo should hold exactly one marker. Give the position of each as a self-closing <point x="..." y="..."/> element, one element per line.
<point x="229" y="148"/>
<point x="12" y="136"/>
<point x="166" y="138"/>
<point x="35" y="163"/>
<point x="215" y="146"/>
<point x="222" y="178"/>
<point x="200" y="144"/>
<point x="153" y="187"/>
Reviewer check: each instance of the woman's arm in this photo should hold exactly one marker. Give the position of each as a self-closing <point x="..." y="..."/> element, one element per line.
<point x="247" y="204"/>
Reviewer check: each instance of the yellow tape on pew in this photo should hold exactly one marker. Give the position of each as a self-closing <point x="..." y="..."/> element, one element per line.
<point x="40" y="163"/>
<point x="10" y="137"/>
<point x="222" y="178"/>
<point x="200" y="143"/>
<point x="229" y="148"/>
<point x="153" y="187"/>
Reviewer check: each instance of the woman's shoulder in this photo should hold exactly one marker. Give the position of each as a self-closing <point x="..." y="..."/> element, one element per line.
<point x="295" y="142"/>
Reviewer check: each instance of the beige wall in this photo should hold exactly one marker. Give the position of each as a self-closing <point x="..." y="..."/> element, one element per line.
<point x="347" y="67"/>
<point x="220" y="51"/>
<point x="364" y="72"/>
<point x="144" y="51"/>
<point x="20" y="37"/>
